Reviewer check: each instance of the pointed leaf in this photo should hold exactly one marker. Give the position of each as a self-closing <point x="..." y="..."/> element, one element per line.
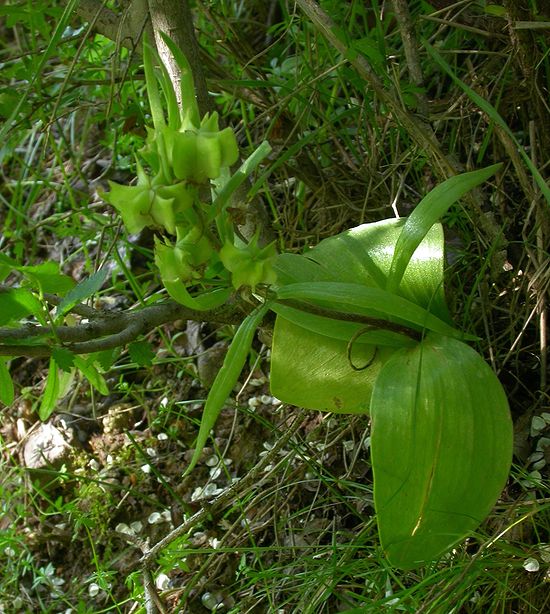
<point x="369" y="302"/>
<point x="441" y="448"/>
<point x="428" y="211"/>
<point x="92" y="374"/>
<point x="82" y="291"/>
<point x="7" y="394"/>
<point x="226" y="378"/>
<point x="51" y="392"/>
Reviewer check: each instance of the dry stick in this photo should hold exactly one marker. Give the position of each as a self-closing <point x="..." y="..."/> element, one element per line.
<point x="176" y="20"/>
<point x="127" y="29"/>
<point x="251" y="480"/>
<point x="410" y="46"/>
<point x="541" y="258"/>
<point x="420" y="132"/>
<point x="110" y="329"/>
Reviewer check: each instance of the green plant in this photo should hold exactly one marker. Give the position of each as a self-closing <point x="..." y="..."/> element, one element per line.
<point x="362" y="325"/>
<point x="441" y="430"/>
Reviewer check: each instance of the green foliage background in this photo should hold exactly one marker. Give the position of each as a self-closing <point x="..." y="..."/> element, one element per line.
<point x="73" y="111"/>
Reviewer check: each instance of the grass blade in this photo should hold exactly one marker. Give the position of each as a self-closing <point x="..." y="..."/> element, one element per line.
<point x="494" y="115"/>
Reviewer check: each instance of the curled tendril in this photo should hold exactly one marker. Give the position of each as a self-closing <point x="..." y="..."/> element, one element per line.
<point x="356" y="336"/>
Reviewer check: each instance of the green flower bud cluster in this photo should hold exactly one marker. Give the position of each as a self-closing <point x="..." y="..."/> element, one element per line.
<point x="250" y="264"/>
<point x="184" y="155"/>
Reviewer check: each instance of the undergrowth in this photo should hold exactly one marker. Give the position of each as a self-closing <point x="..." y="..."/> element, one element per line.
<point x="303" y="538"/>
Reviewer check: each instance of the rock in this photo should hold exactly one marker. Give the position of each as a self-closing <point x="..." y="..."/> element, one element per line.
<point x="46" y="448"/>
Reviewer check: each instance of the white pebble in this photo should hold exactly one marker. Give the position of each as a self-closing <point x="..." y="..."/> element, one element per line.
<point x="531" y="565"/>
<point x="93" y="589"/>
<point x="154" y="518"/>
<point x="162" y="582"/>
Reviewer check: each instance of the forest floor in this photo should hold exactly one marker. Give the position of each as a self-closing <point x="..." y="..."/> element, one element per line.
<point x="278" y="516"/>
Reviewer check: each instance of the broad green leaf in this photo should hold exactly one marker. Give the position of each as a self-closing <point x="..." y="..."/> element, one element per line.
<point x="92" y="374"/>
<point x="64" y="359"/>
<point x="7" y="265"/>
<point x="309" y="359"/>
<point x="369" y="302"/>
<point x="141" y="353"/>
<point x="426" y="214"/>
<point x="6" y="384"/>
<point x="47" y="278"/>
<point x="82" y="291"/>
<point x="313" y="371"/>
<point x="441" y="448"/>
<point x="226" y="378"/>
<point x="363" y="255"/>
<point x="51" y="392"/>
<point x="17" y="303"/>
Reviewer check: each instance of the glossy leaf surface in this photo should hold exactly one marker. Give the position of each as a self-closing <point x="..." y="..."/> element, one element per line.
<point x="441" y="447"/>
<point x="430" y="209"/>
<point x="309" y="362"/>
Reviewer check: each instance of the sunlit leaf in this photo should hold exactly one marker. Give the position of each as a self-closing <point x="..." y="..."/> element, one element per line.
<point x="428" y="211"/>
<point x="17" y="303"/>
<point x="6" y="384"/>
<point x="441" y="448"/>
<point x="47" y="278"/>
<point x="368" y="302"/>
<point x="313" y="371"/>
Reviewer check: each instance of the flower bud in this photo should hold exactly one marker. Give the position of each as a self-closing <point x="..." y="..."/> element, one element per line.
<point x="249" y="265"/>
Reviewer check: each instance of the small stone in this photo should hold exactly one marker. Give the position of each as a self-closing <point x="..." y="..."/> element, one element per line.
<point x="45" y="447"/>
<point x="93" y="589"/>
<point x="154" y="518"/>
<point x="162" y="582"/>
<point x="210" y="601"/>
<point x="211" y="461"/>
<point x="531" y="565"/>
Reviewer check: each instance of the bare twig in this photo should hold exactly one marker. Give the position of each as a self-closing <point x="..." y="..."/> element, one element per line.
<point x="110" y="329"/>
<point x="127" y="29"/>
<point x="410" y="46"/>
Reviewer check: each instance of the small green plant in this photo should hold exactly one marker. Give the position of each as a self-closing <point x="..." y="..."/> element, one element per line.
<point x="362" y="325"/>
